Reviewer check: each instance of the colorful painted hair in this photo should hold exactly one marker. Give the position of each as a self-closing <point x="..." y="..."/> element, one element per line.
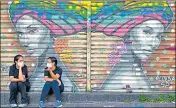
<point x="58" y="17"/>
<point x="112" y="18"/>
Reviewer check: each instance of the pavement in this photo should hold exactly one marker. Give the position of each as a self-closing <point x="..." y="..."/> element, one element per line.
<point x="92" y="99"/>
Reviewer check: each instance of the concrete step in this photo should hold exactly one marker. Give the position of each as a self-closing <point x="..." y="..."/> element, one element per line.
<point x="82" y="97"/>
<point x="106" y="104"/>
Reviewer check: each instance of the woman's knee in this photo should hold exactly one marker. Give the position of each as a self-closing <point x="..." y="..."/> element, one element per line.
<point x="13" y="86"/>
<point x="48" y="84"/>
<point x="21" y="84"/>
<point x="55" y="83"/>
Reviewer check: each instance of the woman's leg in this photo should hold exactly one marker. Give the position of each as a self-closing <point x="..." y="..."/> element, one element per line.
<point x="45" y="90"/>
<point x="56" y="90"/>
<point x="61" y="87"/>
<point x="22" y="90"/>
<point x="13" y="92"/>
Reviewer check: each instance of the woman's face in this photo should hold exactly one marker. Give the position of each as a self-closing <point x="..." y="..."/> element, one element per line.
<point x="33" y="36"/>
<point x="146" y="38"/>
<point x="49" y="62"/>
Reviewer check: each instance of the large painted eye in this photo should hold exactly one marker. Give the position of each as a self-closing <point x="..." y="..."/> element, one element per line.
<point x="148" y="32"/>
<point x="159" y="35"/>
<point x="20" y="34"/>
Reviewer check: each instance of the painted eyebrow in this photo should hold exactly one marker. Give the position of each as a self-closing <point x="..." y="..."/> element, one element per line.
<point x="149" y="27"/>
<point x="29" y="26"/>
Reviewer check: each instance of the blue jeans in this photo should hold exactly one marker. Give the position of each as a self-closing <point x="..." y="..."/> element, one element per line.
<point x="54" y="85"/>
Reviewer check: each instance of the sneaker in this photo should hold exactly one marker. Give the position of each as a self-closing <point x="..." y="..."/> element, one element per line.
<point x="42" y="104"/>
<point x="22" y="105"/>
<point x="58" y="104"/>
<point x="13" y="105"/>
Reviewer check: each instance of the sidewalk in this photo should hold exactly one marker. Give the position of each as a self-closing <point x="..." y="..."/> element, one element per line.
<point x="107" y="104"/>
<point x="92" y="99"/>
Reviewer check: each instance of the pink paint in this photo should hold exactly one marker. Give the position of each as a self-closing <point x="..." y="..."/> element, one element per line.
<point x="78" y="27"/>
<point x="171" y="48"/>
<point x="100" y="27"/>
<point x="126" y="27"/>
<point x="93" y="24"/>
<point x="12" y="44"/>
<point x="114" y="58"/>
<point x="124" y="30"/>
<point x="119" y="47"/>
<point x="108" y="30"/>
<point x="121" y="32"/>
<point x="26" y="11"/>
<point x="54" y="28"/>
<point x="70" y="31"/>
<point x="112" y="28"/>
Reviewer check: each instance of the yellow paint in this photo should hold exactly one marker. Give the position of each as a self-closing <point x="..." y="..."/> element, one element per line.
<point x="75" y="2"/>
<point x="165" y="5"/>
<point x="85" y="3"/>
<point x="68" y="51"/>
<point x="46" y="1"/>
<point x="94" y="8"/>
<point x="150" y="4"/>
<point x="16" y="2"/>
<point x="100" y="4"/>
<point x="78" y="8"/>
<point x="127" y="1"/>
<point x="145" y="4"/>
<point x="70" y="7"/>
<point x="156" y="4"/>
<point x="67" y="56"/>
<point x="54" y="2"/>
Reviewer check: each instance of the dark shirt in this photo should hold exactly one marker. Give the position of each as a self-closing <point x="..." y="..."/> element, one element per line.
<point x="58" y="70"/>
<point x="15" y="72"/>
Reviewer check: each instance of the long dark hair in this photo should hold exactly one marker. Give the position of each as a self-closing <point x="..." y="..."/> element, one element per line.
<point x="16" y="58"/>
<point x="53" y="59"/>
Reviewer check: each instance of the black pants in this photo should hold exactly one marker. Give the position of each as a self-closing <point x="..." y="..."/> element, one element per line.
<point x="18" y="87"/>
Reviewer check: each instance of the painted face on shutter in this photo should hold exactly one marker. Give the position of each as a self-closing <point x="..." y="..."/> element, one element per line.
<point x="33" y="35"/>
<point x="146" y="37"/>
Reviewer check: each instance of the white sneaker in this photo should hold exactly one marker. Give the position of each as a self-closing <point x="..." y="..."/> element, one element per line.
<point x="22" y="105"/>
<point x="13" y="105"/>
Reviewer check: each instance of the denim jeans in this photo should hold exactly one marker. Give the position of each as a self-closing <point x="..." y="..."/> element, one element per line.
<point x="55" y="88"/>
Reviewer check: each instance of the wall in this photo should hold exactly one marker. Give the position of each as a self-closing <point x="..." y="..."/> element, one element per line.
<point x="100" y="46"/>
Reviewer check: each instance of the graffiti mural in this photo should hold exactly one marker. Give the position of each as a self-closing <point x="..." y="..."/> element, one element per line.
<point x="128" y="44"/>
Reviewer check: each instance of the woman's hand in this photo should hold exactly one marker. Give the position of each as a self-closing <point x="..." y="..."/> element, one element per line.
<point x="21" y="64"/>
<point x="49" y="69"/>
<point x="59" y="82"/>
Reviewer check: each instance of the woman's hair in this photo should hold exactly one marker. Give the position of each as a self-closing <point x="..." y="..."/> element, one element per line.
<point x="16" y="58"/>
<point x="53" y="59"/>
<point x="112" y="18"/>
<point x="117" y="19"/>
<point x="62" y="18"/>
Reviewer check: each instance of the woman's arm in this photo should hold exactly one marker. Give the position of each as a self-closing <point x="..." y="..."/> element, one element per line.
<point x="12" y="79"/>
<point x="21" y="76"/>
<point x="55" y="77"/>
<point x="11" y="75"/>
<point x="48" y="79"/>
